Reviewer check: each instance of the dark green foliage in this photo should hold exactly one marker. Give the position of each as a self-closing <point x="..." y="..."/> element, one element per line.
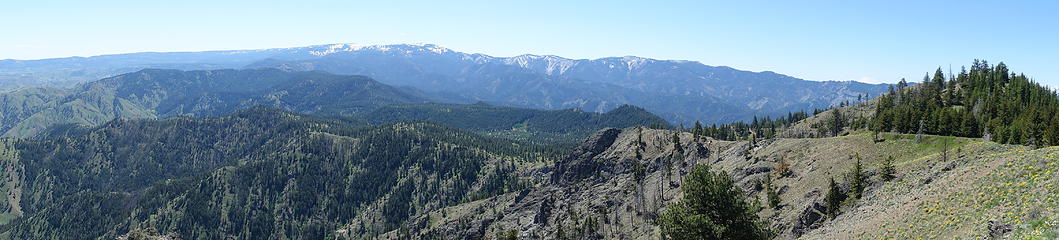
<point x="518" y="123"/>
<point x="765" y="127"/>
<point x="857" y="179"/>
<point x="984" y="101"/>
<point x="712" y="208"/>
<point x="836" y="122"/>
<point x="259" y="173"/>
<point x="770" y="193"/>
<point x="888" y="171"/>
<point x="508" y="235"/>
<point x="833" y="199"/>
<point x="697" y="130"/>
<point x="638" y="168"/>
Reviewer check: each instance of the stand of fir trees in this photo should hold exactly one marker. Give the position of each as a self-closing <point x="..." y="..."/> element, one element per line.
<point x="764" y="127"/>
<point x="985" y="101"/>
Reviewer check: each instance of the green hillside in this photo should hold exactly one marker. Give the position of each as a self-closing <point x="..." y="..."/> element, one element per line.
<point x="155" y="93"/>
<point x="256" y="173"/>
<point x="517" y="123"/>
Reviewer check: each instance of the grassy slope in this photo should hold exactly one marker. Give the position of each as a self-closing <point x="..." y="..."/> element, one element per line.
<point x="979" y="181"/>
<point x="1011" y="184"/>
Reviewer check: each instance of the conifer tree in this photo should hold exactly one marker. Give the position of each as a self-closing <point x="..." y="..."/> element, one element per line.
<point x="856" y="178"/>
<point x="888" y="170"/>
<point x="833" y="199"/>
<point x="697" y="130"/>
<point x="712" y="207"/>
<point x="771" y="194"/>
<point x="836" y="123"/>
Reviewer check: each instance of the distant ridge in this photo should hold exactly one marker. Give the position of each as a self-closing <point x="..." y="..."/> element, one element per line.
<point x="681" y="91"/>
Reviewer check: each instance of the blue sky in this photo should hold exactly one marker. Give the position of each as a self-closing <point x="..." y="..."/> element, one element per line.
<point x="880" y="41"/>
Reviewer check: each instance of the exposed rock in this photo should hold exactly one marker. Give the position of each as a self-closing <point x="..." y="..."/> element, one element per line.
<point x="701" y="151"/>
<point x="949" y="167"/>
<point x="580" y="164"/>
<point x="997" y="229"/>
<point x="812" y="217"/>
<point x="544" y="212"/>
<point x="148" y="234"/>
<point x="757" y="170"/>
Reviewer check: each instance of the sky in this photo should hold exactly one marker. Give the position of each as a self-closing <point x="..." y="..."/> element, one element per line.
<point x="877" y="41"/>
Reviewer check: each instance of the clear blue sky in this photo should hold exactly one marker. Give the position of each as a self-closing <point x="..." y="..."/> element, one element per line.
<point x="880" y="41"/>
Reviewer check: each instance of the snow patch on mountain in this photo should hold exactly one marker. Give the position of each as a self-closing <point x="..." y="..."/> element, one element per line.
<point x="549" y="64"/>
<point x="324" y="50"/>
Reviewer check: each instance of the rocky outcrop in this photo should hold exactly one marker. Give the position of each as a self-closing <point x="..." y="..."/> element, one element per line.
<point x="998" y="229"/>
<point x="581" y="162"/>
<point x="812" y="217"/>
<point x="545" y="211"/>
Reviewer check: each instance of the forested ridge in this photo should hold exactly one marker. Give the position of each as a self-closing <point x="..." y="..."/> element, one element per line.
<point x="157" y="93"/>
<point x="983" y="101"/>
<point x="160" y="93"/>
<point x="548" y="126"/>
<point x="253" y="174"/>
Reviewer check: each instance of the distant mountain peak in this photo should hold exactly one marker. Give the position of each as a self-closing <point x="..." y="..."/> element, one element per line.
<point x="549" y="64"/>
<point x="328" y="49"/>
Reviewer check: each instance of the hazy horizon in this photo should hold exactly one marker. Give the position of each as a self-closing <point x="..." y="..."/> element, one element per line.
<point x="820" y="41"/>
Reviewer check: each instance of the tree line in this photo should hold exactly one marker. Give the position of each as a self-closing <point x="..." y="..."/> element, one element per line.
<point x="985" y="101"/>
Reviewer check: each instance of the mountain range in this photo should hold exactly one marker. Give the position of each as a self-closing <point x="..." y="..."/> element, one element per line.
<point x="157" y="93"/>
<point x="680" y="91"/>
<point x="422" y="142"/>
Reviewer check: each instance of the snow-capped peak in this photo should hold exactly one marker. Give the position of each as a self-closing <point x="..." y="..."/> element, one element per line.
<point x="334" y="48"/>
<point x="324" y="50"/>
<point x="550" y="64"/>
<point x="635" y="62"/>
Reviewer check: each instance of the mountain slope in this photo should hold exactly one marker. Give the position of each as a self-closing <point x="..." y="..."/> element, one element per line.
<point x="690" y="90"/>
<point x="949" y="187"/>
<point x="155" y="93"/>
<point x="548" y="126"/>
<point x="259" y="173"/>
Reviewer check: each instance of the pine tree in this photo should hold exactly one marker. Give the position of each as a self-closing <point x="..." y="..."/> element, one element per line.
<point x="771" y="194"/>
<point x="856" y="178"/>
<point x="712" y="207"/>
<point x="888" y="171"/>
<point x="833" y="199"/>
<point x="836" y="123"/>
<point x="697" y="130"/>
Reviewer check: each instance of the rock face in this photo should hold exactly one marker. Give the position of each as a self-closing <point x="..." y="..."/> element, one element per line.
<point x="810" y="218"/>
<point x="581" y="162"/>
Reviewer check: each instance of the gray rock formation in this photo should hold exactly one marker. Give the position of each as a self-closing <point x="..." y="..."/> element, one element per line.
<point x="581" y="162"/>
